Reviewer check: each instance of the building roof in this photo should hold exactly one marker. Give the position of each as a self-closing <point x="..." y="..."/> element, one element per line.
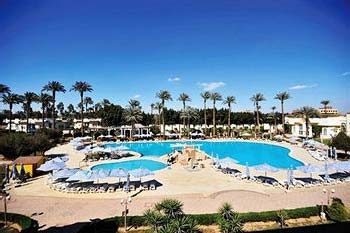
<point x="28" y="159"/>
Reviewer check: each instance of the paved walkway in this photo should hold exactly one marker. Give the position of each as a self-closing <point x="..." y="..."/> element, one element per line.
<point x="58" y="211"/>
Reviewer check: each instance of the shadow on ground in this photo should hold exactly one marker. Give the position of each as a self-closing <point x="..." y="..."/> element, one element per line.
<point x="73" y="228"/>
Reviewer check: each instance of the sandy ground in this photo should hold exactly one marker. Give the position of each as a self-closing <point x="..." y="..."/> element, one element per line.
<point x="201" y="191"/>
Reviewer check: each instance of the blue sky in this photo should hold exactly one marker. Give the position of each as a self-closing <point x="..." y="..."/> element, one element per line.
<point x="128" y="49"/>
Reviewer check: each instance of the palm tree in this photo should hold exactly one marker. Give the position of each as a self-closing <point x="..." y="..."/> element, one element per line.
<point x="28" y="99"/>
<point x="154" y="219"/>
<point x="229" y="221"/>
<point x="4" y="89"/>
<point x="184" y="98"/>
<point x="325" y="103"/>
<point x="164" y="95"/>
<point x="282" y="96"/>
<point x="273" y="108"/>
<point x="158" y="106"/>
<point x="215" y="97"/>
<point x="54" y="87"/>
<point x="88" y="101"/>
<point x="45" y="100"/>
<point x="257" y="98"/>
<point x="81" y="87"/>
<point x="189" y="113"/>
<point x="60" y="108"/>
<point x="307" y="113"/>
<point x="205" y="96"/>
<point x="229" y="100"/>
<point x="170" y="207"/>
<point x="132" y="114"/>
<point x="11" y="99"/>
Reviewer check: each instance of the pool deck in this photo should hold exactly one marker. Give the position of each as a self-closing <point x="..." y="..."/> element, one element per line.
<point x="201" y="191"/>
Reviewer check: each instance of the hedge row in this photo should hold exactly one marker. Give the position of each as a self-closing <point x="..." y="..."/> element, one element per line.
<point x="27" y="224"/>
<point x="210" y="219"/>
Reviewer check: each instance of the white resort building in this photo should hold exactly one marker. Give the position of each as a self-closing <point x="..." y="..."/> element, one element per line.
<point x="20" y="125"/>
<point x="330" y="126"/>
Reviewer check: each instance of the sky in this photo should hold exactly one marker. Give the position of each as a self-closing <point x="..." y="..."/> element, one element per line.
<point x="133" y="49"/>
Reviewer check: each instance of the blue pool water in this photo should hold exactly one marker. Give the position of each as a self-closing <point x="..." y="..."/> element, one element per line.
<point x="132" y="164"/>
<point x="245" y="152"/>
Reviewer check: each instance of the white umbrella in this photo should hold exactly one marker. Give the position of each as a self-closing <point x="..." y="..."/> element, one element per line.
<point x="122" y="147"/>
<point x="51" y="166"/>
<point x="99" y="174"/>
<point x="227" y="162"/>
<point x="80" y="175"/>
<point x="266" y="168"/>
<point x="97" y="149"/>
<point x="247" y="172"/>
<point x="65" y="173"/>
<point x="310" y="169"/>
<point x="61" y="159"/>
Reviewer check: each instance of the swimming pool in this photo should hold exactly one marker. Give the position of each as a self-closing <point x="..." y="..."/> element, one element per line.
<point x="132" y="164"/>
<point x="245" y="152"/>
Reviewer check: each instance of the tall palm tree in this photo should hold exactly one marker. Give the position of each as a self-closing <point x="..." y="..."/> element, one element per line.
<point x="28" y="99"/>
<point x="88" y="101"/>
<point x="45" y="100"/>
<point x="184" y="98"/>
<point x="257" y="98"/>
<point x="4" y="89"/>
<point x="189" y="113"/>
<point x="229" y="101"/>
<point x="163" y="95"/>
<point x="307" y="113"/>
<point x="273" y="108"/>
<point x="54" y="87"/>
<point x="60" y="108"/>
<point x="132" y="114"/>
<point x="81" y="87"/>
<point x="325" y="103"/>
<point x="205" y="96"/>
<point x="152" y="108"/>
<point x="11" y="99"/>
<point x="282" y="96"/>
<point x="158" y="106"/>
<point x="215" y="97"/>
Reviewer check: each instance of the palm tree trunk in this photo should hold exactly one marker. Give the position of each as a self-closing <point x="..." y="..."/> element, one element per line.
<point x="184" y="120"/>
<point x="257" y="119"/>
<point x="307" y="127"/>
<point x="53" y="109"/>
<point x="163" y="118"/>
<point x="229" y="121"/>
<point x="42" y="116"/>
<point x="27" y="118"/>
<point x="282" y="108"/>
<point x="205" y="118"/>
<point x="10" y="118"/>
<point x="214" y="125"/>
<point x="82" y="112"/>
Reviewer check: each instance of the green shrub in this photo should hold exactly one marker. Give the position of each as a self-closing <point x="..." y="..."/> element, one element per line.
<point x="336" y="211"/>
<point x="27" y="224"/>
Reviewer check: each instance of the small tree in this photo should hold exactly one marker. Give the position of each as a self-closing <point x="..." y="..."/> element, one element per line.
<point x="337" y="211"/>
<point x="229" y="221"/>
<point x="282" y="216"/>
<point x="342" y="141"/>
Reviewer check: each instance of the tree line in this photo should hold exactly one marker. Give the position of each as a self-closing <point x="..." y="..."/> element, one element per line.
<point x="116" y="115"/>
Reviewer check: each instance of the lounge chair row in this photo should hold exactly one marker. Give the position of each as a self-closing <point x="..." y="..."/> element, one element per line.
<point x="90" y="187"/>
